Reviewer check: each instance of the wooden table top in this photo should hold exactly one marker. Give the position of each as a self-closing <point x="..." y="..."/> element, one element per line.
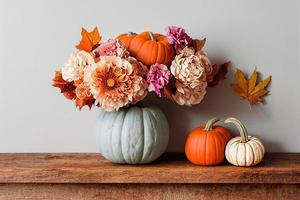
<point x="170" y="168"/>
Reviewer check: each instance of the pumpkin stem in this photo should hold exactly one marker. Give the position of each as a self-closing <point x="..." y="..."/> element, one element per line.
<point x="210" y="123"/>
<point x="241" y="127"/>
<point x="130" y="33"/>
<point x="152" y="36"/>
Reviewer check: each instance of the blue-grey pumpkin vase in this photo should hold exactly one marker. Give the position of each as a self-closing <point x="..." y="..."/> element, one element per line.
<point x="134" y="135"/>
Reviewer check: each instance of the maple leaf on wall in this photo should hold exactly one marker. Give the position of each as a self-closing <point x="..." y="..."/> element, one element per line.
<point x="248" y="89"/>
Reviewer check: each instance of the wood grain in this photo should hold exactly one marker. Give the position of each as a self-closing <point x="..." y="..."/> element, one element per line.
<point x="171" y="168"/>
<point x="149" y="191"/>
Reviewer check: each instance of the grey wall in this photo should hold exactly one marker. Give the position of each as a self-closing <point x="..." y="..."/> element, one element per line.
<point x="36" y="37"/>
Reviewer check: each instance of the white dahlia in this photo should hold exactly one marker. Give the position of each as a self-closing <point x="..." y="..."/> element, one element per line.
<point x="75" y="66"/>
<point x="190" y="67"/>
<point x="188" y="96"/>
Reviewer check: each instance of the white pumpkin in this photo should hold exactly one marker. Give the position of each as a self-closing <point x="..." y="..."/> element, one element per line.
<point x="133" y="135"/>
<point x="244" y="150"/>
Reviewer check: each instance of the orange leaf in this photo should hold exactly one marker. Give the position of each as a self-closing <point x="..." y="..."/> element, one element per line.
<point x="262" y="85"/>
<point x="252" y="81"/>
<point x="248" y="89"/>
<point x="70" y="90"/>
<point x="67" y="88"/>
<point x="80" y="103"/>
<point x="88" y="40"/>
<point x="239" y="91"/>
<point x="242" y="81"/>
<point x="257" y="97"/>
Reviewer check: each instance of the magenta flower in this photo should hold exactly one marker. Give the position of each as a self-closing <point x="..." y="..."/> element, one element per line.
<point x="178" y="37"/>
<point x="111" y="47"/>
<point x="158" y="77"/>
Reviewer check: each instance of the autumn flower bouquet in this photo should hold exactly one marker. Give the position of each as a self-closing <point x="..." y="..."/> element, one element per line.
<point x="120" y="72"/>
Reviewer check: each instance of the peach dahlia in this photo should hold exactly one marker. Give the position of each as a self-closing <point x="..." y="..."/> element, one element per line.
<point x="114" y="83"/>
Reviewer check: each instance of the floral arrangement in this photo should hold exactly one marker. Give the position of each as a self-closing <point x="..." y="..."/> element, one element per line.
<point x="120" y="72"/>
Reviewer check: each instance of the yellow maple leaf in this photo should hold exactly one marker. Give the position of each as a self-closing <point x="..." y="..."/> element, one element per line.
<point x="88" y="39"/>
<point x="249" y="89"/>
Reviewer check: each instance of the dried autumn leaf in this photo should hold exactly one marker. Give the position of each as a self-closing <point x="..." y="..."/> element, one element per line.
<point x="256" y="97"/>
<point x="80" y="103"/>
<point x="242" y="81"/>
<point x="239" y="90"/>
<point x="198" y="44"/>
<point x="262" y="85"/>
<point x="72" y="91"/>
<point x="219" y="74"/>
<point x="252" y="81"/>
<point x="249" y="89"/>
<point x="89" y="39"/>
<point x="67" y="88"/>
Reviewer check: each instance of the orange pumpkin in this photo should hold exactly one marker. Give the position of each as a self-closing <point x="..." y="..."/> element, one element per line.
<point x="205" y="145"/>
<point x="126" y="38"/>
<point x="149" y="48"/>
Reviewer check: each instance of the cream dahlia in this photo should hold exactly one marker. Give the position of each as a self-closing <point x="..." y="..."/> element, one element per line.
<point x="140" y="71"/>
<point x="75" y="66"/>
<point x="139" y="68"/>
<point x="206" y="64"/>
<point x="188" y="96"/>
<point x="114" y="83"/>
<point x="190" y="67"/>
<point x="139" y="89"/>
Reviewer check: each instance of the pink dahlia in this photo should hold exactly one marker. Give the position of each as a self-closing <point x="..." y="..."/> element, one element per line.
<point x="158" y="77"/>
<point x="178" y="37"/>
<point x="112" y="47"/>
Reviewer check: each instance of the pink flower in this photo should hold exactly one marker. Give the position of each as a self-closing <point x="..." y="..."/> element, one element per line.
<point x="158" y="77"/>
<point x="178" y="37"/>
<point x="112" y="47"/>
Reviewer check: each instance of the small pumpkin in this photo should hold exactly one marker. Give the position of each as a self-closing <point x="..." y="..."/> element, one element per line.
<point x="205" y="145"/>
<point x="149" y="48"/>
<point x="133" y="135"/>
<point x="245" y="150"/>
<point x="126" y="38"/>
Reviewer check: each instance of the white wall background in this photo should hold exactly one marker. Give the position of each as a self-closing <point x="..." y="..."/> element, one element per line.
<point x="36" y="37"/>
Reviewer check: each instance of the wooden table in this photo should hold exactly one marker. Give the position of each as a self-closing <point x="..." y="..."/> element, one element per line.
<point x="89" y="176"/>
